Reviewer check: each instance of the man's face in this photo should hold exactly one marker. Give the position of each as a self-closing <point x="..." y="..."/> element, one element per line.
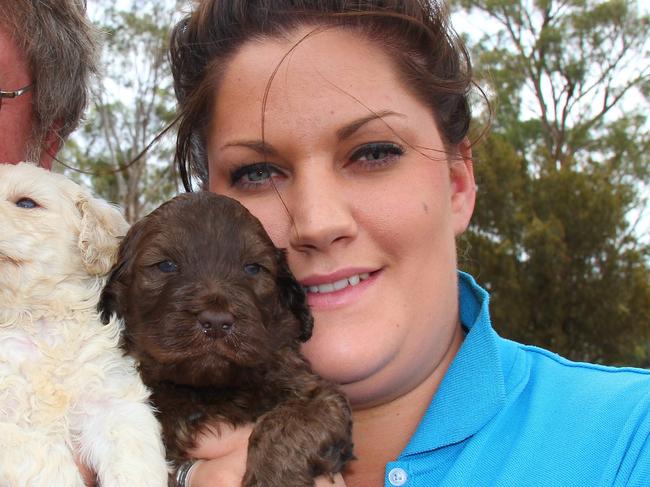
<point x="16" y="113"/>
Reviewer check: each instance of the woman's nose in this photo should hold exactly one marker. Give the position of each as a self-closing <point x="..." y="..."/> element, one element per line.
<point x="322" y="214"/>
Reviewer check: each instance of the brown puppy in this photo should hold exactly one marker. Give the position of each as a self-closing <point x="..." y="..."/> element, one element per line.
<point x="215" y="319"/>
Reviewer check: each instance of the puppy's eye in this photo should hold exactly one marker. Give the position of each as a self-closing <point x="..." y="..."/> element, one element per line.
<point x="26" y="203"/>
<point x="252" y="269"/>
<point x="167" y="266"/>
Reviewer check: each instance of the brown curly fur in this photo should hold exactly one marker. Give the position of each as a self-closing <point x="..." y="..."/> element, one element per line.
<point x="216" y="329"/>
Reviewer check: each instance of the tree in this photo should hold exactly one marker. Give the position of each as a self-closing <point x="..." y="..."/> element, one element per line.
<point x="133" y="102"/>
<point x="561" y="172"/>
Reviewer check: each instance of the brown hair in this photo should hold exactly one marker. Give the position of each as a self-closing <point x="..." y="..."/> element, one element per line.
<point x="430" y="58"/>
<point x="60" y="46"/>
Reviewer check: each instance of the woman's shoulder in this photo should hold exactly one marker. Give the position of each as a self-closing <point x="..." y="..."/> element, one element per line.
<point x="579" y="389"/>
<point x="571" y="416"/>
<point x="545" y="365"/>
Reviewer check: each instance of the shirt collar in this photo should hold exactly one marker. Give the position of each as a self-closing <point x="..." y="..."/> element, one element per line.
<point x="473" y="389"/>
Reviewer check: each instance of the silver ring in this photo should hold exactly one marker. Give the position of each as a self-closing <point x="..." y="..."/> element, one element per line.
<point x="183" y="472"/>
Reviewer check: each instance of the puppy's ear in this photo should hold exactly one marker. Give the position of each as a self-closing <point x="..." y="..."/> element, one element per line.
<point x="113" y="297"/>
<point x="101" y="228"/>
<point x="293" y="296"/>
<point x="111" y="300"/>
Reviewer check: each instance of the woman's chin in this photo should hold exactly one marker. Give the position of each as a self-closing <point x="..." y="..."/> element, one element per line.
<point x="355" y="368"/>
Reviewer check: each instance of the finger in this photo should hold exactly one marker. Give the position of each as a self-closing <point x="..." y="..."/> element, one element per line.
<point x="221" y="440"/>
<point x="327" y="482"/>
<point x="88" y="476"/>
<point x="222" y="472"/>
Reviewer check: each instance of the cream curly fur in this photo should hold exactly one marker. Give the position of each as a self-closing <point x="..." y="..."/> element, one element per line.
<point x="65" y="387"/>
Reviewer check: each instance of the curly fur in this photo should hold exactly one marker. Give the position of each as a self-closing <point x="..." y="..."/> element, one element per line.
<point x="215" y="319"/>
<point x="65" y="386"/>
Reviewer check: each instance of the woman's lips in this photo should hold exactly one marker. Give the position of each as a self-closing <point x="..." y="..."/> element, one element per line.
<point x="338" y="289"/>
<point x="329" y="287"/>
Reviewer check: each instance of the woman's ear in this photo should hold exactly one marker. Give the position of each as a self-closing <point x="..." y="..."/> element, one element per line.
<point x="293" y="297"/>
<point x="463" y="186"/>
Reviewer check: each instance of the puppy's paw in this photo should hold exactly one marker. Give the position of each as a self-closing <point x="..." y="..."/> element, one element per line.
<point x="299" y="441"/>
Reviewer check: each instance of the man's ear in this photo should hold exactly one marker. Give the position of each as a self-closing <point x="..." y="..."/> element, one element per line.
<point x="463" y="186"/>
<point x="50" y="146"/>
<point x="293" y="296"/>
<point x="102" y="227"/>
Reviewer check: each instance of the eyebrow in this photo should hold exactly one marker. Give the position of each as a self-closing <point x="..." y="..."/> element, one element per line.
<point x="349" y="129"/>
<point x="343" y="133"/>
<point x="258" y="146"/>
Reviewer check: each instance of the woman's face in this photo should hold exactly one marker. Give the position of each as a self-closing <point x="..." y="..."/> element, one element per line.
<point x="373" y="204"/>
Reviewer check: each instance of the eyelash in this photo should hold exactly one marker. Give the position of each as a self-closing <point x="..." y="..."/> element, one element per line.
<point x="392" y="151"/>
<point x="238" y="174"/>
<point x="241" y="176"/>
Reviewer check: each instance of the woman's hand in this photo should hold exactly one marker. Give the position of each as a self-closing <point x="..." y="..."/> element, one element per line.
<point x="88" y="476"/>
<point x="224" y="454"/>
<point x="325" y="482"/>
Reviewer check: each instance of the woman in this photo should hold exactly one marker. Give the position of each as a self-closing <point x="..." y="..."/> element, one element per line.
<point x="343" y="127"/>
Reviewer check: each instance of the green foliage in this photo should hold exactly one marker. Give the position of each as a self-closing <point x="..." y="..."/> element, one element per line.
<point x="561" y="172"/>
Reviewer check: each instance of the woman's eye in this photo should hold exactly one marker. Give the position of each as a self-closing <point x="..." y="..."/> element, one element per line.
<point x="167" y="266"/>
<point x="253" y="176"/>
<point x="377" y="154"/>
<point x="27" y="203"/>
<point x="252" y="269"/>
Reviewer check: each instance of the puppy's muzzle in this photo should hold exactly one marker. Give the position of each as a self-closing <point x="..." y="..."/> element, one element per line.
<point x="216" y="324"/>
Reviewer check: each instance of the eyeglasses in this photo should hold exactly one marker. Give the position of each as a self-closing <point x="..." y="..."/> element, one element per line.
<point x="14" y="94"/>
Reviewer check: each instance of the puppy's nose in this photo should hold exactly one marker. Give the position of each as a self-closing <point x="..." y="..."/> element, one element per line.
<point x="216" y="322"/>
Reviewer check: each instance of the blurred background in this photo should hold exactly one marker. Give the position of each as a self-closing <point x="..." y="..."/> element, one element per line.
<point x="561" y="232"/>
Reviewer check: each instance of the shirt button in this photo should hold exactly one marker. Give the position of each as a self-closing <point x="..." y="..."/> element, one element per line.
<point x="397" y="477"/>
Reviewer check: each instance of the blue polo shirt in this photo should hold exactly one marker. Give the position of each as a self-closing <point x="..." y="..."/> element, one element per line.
<point x="508" y="414"/>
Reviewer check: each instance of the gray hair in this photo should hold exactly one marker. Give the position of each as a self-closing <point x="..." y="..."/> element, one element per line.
<point x="61" y="46"/>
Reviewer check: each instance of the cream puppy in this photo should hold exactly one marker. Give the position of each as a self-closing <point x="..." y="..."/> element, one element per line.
<point x="65" y="386"/>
